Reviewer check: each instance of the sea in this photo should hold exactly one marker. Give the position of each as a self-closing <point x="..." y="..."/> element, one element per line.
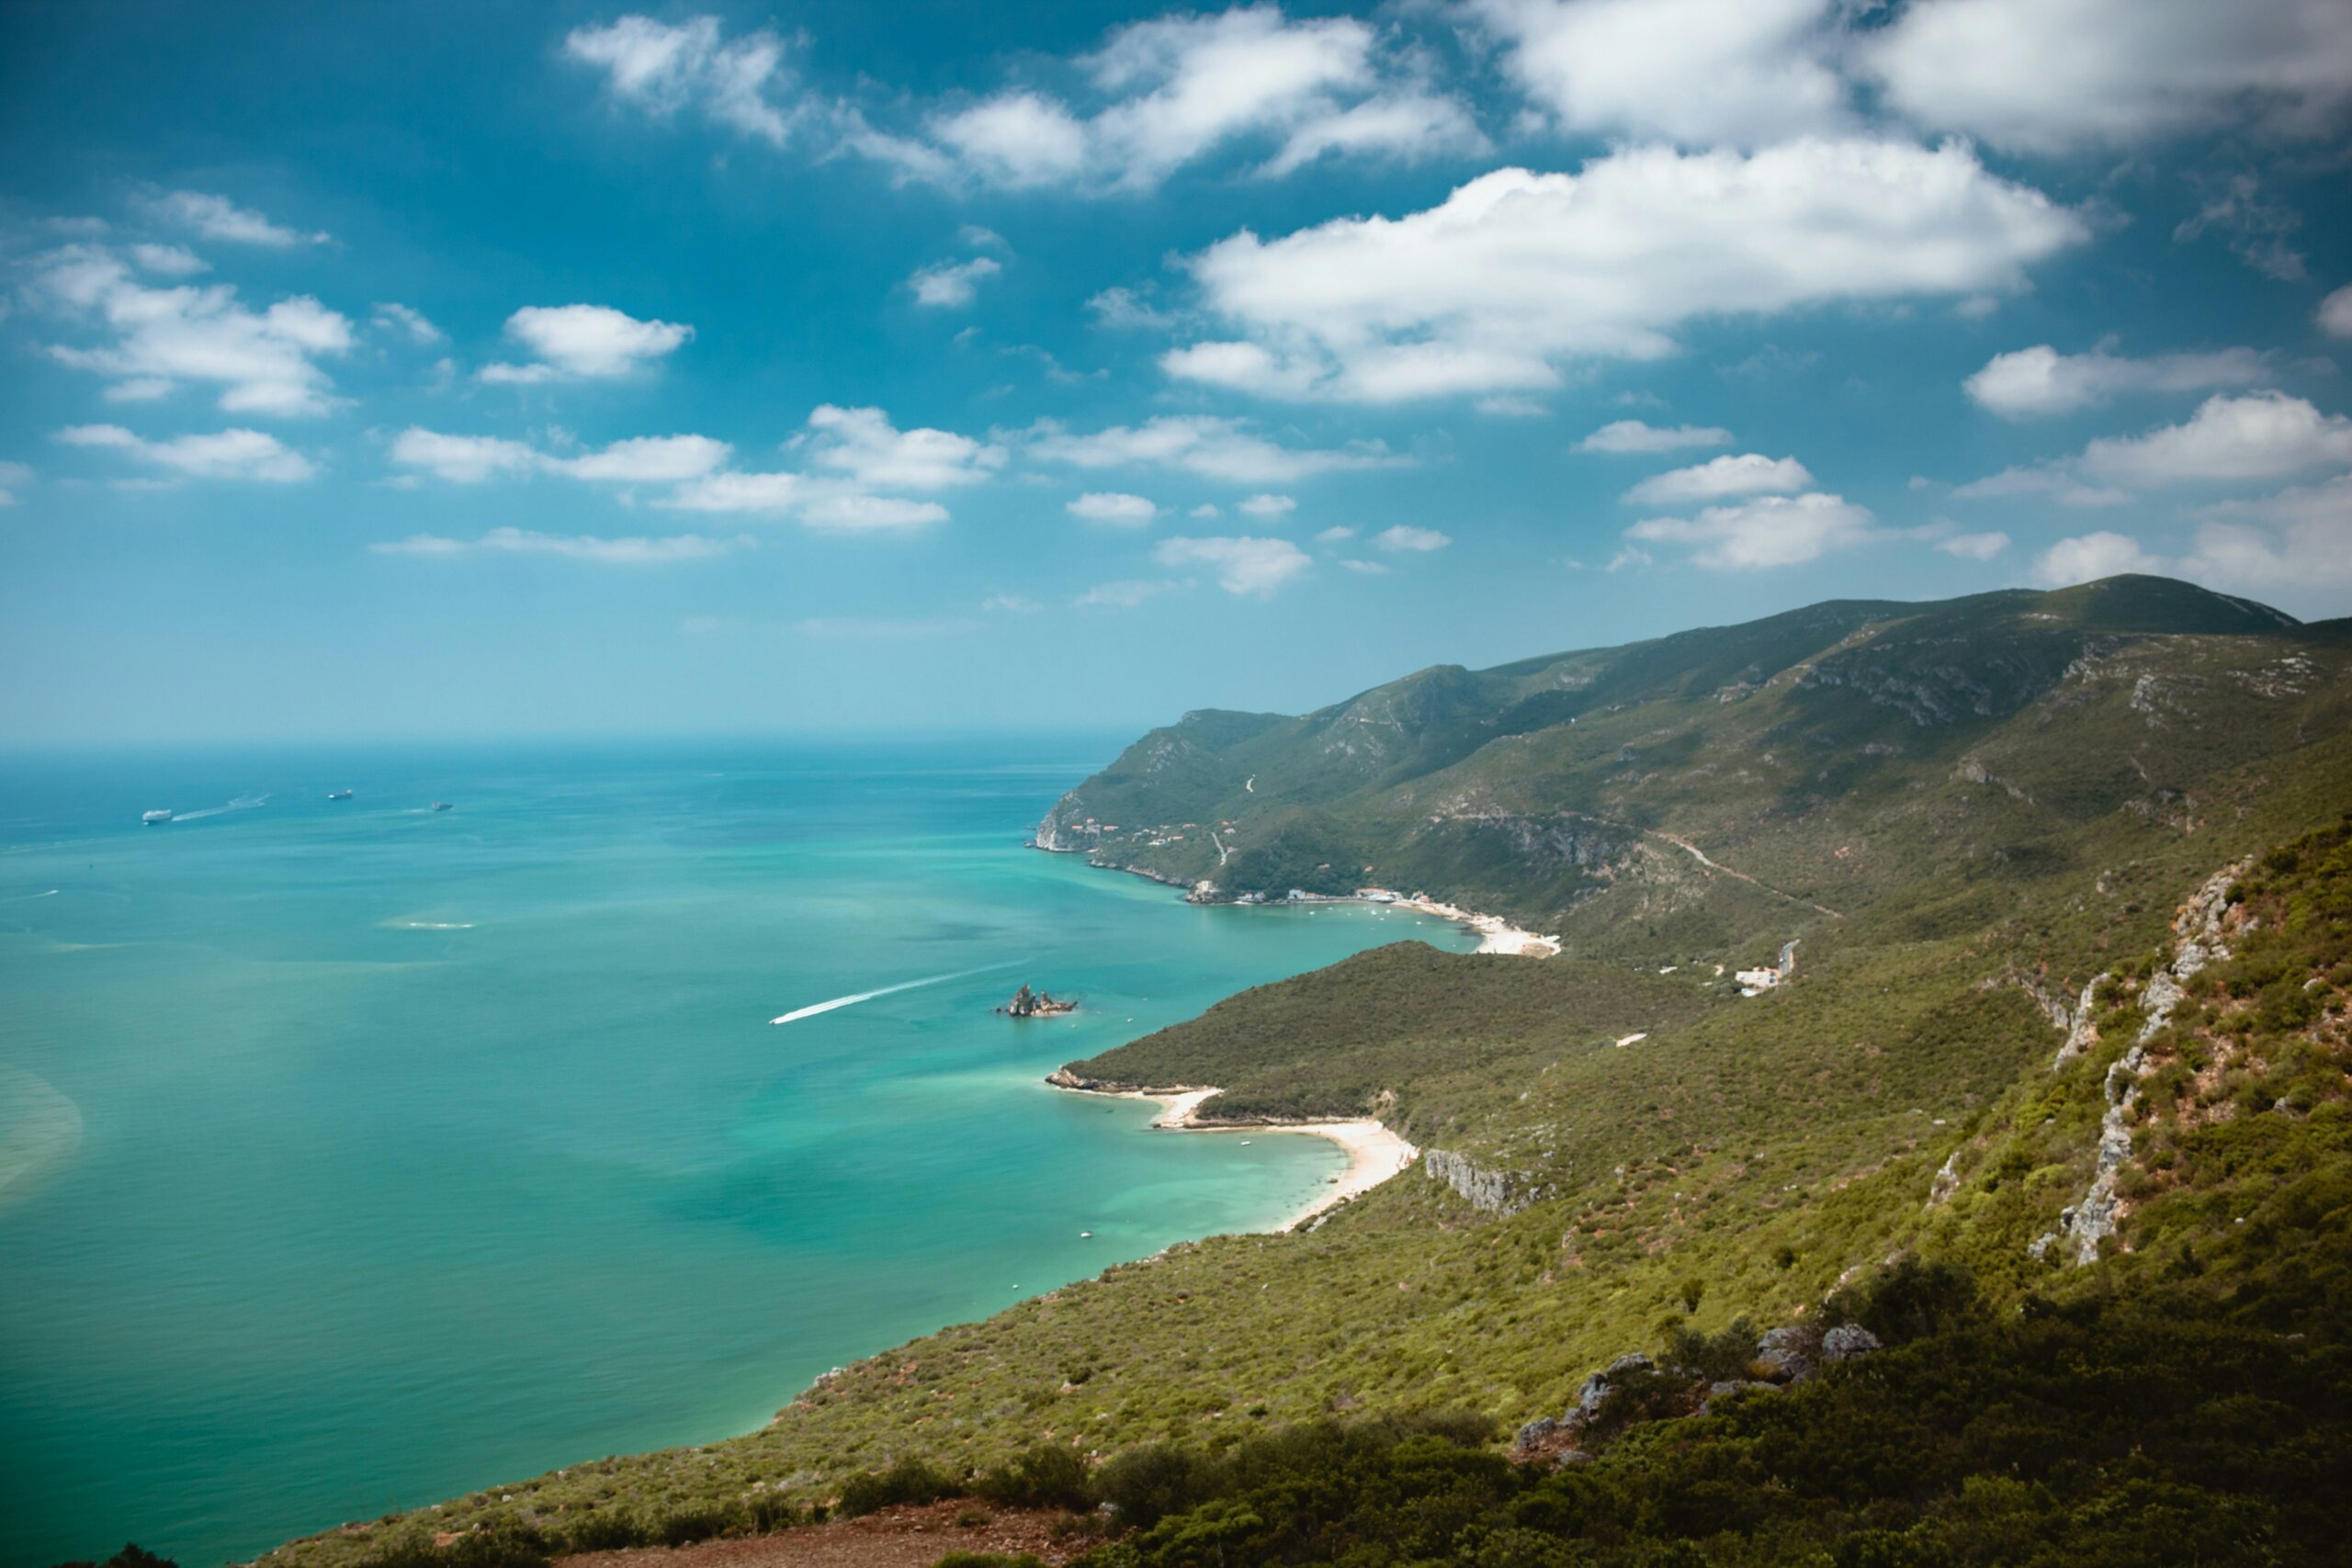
<point x="356" y="1153"/>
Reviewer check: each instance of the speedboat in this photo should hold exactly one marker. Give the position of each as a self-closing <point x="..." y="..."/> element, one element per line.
<point x="156" y="818"/>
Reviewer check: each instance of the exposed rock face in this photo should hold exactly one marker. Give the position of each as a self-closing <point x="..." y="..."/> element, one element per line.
<point x="2081" y="1033"/>
<point x="1947" y="1181"/>
<point x="1496" y="1191"/>
<point x="1847" y="1341"/>
<point x="1788" y="1354"/>
<point x="2197" y="932"/>
<point x="1602" y="1383"/>
<point x="1027" y="1003"/>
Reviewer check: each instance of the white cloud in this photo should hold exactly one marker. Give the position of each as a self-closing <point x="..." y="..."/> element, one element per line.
<point x="663" y="69"/>
<point x="773" y="494"/>
<point x="1334" y="534"/>
<point x="2335" y="314"/>
<point x="463" y="459"/>
<point x="1201" y="444"/>
<point x="218" y="218"/>
<point x="1367" y="567"/>
<point x="1769" y="531"/>
<point x="2299" y="539"/>
<point x="2046" y="76"/>
<point x="1410" y="124"/>
<point x="1504" y="405"/>
<point x="1123" y="309"/>
<point x="1206" y="509"/>
<point x="1016" y="140"/>
<point x="863" y="445"/>
<point x="1267" y="508"/>
<point x="590" y="342"/>
<point x="1124" y="594"/>
<point x="1517" y="270"/>
<point x="1750" y="473"/>
<point x="2262" y="435"/>
<point x="854" y="511"/>
<point x="1162" y="93"/>
<point x="643" y="460"/>
<point x="2037" y="381"/>
<point x="168" y="261"/>
<point x="227" y="455"/>
<point x="1974" y="546"/>
<point x="1244" y="566"/>
<point x="1404" y="540"/>
<point x="2092" y="556"/>
<point x="1111" y="507"/>
<point x="2049" y="479"/>
<point x="1633" y="435"/>
<point x="1011" y="604"/>
<point x="392" y="316"/>
<point x="953" y="284"/>
<point x="1691" y="71"/>
<point x="13" y="476"/>
<point x="263" y="361"/>
<point x="646" y="460"/>
<point x="658" y="551"/>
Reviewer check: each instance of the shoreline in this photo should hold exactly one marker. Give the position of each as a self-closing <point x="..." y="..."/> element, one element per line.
<point x="1374" y="1153"/>
<point x="1495" y="933"/>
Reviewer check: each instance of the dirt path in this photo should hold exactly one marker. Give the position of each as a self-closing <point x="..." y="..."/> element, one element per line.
<point x="1700" y="856"/>
<point x="895" y="1537"/>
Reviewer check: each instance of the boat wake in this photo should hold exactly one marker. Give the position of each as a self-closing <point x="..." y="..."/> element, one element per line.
<point x="797" y="1014"/>
<point x="242" y="803"/>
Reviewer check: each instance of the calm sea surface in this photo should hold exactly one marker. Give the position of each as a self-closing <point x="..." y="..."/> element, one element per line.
<point x="353" y="1155"/>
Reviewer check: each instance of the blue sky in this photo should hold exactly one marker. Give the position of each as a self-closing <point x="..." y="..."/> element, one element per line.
<point x="428" y="369"/>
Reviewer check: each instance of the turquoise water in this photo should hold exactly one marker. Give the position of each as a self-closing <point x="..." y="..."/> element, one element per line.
<point x="353" y="1155"/>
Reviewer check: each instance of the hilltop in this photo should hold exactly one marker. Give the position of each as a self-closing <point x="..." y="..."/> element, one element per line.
<point x="2054" y="1103"/>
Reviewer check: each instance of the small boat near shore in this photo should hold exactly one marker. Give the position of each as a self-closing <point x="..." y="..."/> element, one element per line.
<point x="338" y="794"/>
<point x="154" y="819"/>
<point x="442" y="804"/>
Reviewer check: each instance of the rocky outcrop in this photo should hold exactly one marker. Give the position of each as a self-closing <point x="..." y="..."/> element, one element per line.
<point x="1847" y="1341"/>
<point x="2199" y="932"/>
<point x="1027" y="1003"/>
<point x="1495" y="1192"/>
<point x="1789" y="1354"/>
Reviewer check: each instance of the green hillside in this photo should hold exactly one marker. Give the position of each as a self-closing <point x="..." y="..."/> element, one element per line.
<point x="2054" y="1102"/>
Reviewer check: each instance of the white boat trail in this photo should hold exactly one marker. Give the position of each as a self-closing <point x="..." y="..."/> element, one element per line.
<point x="797" y="1014"/>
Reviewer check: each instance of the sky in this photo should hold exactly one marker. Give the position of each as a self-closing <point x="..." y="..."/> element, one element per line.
<point x="419" y="370"/>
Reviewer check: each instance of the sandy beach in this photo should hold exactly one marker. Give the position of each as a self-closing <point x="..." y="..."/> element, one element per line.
<point x="1495" y="933"/>
<point x="1375" y="1153"/>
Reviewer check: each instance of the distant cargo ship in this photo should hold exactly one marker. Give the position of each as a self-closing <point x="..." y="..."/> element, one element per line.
<point x="338" y="794"/>
<point x="156" y="818"/>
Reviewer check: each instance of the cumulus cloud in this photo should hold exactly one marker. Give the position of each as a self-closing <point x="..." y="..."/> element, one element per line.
<point x="392" y="316"/>
<point x="1334" y="534"/>
<point x="584" y="342"/>
<point x="2053" y="480"/>
<point x="1974" y="546"/>
<point x="472" y="459"/>
<point x="1251" y="567"/>
<point x="664" y="68"/>
<point x="2335" y="314"/>
<point x="953" y="284"/>
<point x="1405" y="540"/>
<point x="218" y="218"/>
<point x="2089" y="557"/>
<point x="2049" y="75"/>
<point x="1267" y="508"/>
<point x="2037" y="381"/>
<point x="873" y="454"/>
<point x="1632" y="436"/>
<point x="1769" y="531"/>
<point x="2297" y="539"/>
<point x="1110" y="506"/>
<point x="1750" y="473"/>
<point x="2259" y="436"/>
<point x="13" y="476"/>
<point x="1215" y="447"/>
<point x="638" y="552"/>
<point x="1700" y="72"/>
<point x="168" y="261"/>
<point x="265" y="362"/>
<point x="1516" y="271"/>
<point x="1158" y="95"/>
<point x="226" y="454"/>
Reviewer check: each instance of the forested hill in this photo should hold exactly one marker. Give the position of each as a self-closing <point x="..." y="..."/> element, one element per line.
<point x="1705" y="793"/>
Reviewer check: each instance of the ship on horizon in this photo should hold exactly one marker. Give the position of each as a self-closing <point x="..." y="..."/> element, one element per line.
<point x="154" y="819"/>
<point x="338" y="794"/>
